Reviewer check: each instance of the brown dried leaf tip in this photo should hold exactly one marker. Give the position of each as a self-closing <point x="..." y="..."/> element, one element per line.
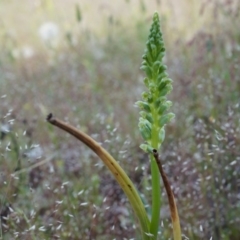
<point x="49" y="117"/>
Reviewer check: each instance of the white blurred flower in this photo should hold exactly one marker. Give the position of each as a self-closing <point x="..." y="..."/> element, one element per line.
<point x="49" y="33"/>
<point x="23" y="52"/>
<point x="27" y="52"/>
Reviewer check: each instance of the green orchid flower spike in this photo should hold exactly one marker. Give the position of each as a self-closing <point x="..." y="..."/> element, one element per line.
<point x="154" y="111"/>
<point x="154" y="115"/>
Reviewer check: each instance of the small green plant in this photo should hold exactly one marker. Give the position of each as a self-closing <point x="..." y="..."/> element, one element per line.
<point x="153" y="118"/>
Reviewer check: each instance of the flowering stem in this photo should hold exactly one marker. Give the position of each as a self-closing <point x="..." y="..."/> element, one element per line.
<point x="156" y="198"/>
<point x="154" y="110"/>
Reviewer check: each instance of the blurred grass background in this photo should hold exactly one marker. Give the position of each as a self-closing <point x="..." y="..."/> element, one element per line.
<point x="80" y="60"/>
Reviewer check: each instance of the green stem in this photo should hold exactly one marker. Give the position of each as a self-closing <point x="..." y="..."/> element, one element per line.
<point x="171" y="200"/>
<point x="156" y="198"/>
<point x="156" y="189"/>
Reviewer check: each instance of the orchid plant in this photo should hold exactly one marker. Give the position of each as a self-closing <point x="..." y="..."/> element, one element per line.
<point x="154" y="116"/>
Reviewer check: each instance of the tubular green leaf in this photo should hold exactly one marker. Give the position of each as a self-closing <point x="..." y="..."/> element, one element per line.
<point x="119" y="174"/>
